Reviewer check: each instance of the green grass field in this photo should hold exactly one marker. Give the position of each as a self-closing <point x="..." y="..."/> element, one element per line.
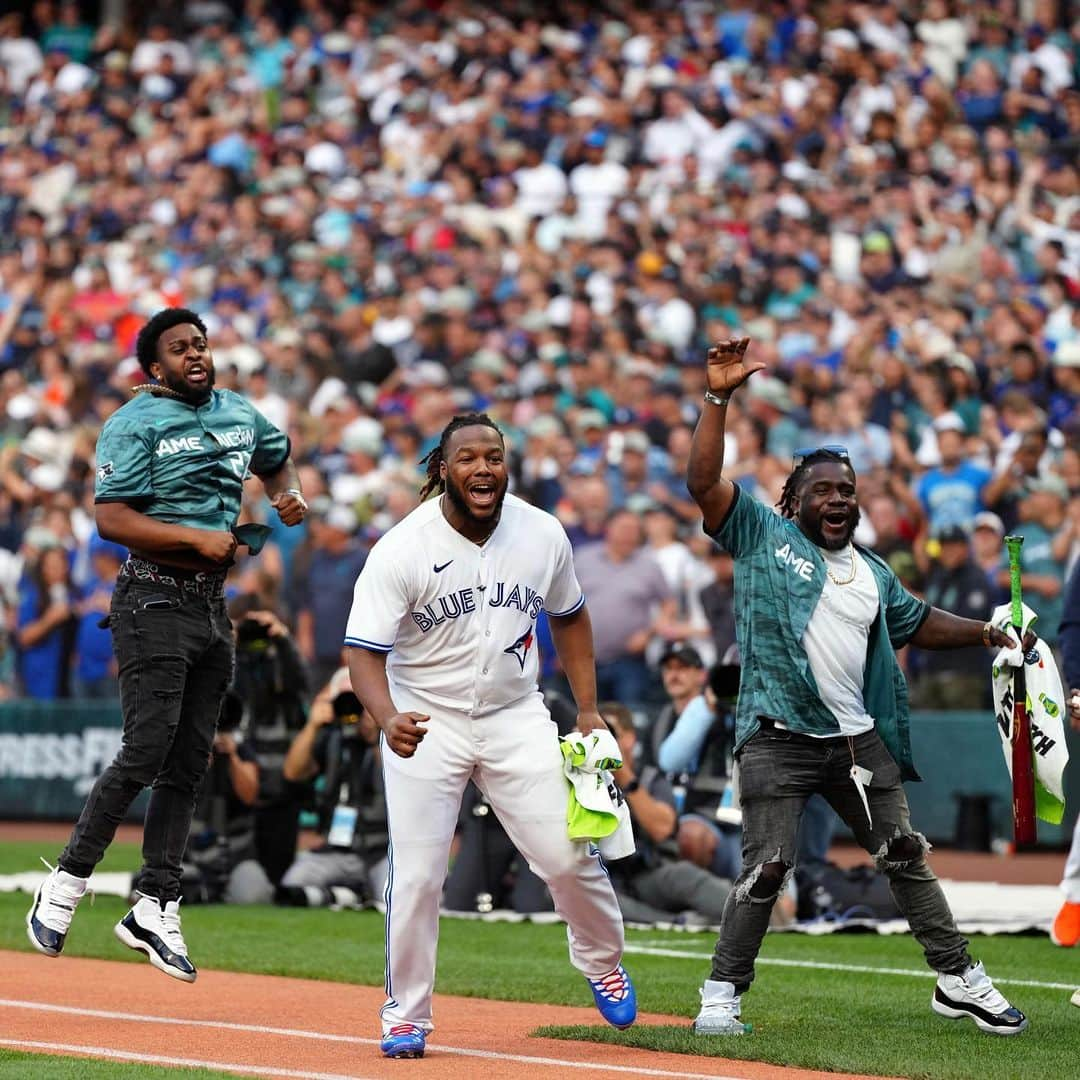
<point x="806" y="1010"/>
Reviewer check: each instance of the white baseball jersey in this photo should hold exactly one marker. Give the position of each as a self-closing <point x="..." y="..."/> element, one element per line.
<point x="458" y="618"/>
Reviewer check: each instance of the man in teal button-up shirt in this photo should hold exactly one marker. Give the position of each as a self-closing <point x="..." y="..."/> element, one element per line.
<point x="170" y="471"/>
<point x="822" y="704"/>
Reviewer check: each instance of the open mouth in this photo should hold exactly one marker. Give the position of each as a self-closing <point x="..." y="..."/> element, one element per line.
<point x="197" y="375"/>
<point x="835" y="522"/>
<point x="482" y="495"/>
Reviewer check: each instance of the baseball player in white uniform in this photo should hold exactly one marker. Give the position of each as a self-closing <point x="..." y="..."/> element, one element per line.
<point x="442" y="653"/>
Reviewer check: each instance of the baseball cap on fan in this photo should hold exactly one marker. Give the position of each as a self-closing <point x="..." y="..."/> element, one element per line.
<point x="684" y="653"/>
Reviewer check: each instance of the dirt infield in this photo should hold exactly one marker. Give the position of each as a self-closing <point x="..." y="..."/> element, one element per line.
<point x="268" y="1026"/>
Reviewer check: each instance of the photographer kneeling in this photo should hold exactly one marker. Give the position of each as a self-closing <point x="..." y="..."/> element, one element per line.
<point x="219" y="863"/>
<point x="339" y="743"/>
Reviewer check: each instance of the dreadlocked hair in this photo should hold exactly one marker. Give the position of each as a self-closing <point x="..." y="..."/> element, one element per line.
<point x="435" y="485"/>
<point x="786" y="503"/>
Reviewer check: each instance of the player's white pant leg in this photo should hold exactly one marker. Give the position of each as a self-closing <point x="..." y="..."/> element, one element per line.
<point x="423" y="795"/>
<point x="1070" y="883"/>
<point x="520" y="771"/>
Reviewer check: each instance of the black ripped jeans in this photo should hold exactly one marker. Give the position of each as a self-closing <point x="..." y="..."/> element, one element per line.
<point x="175" y="654"/>
<point x="778" y="771"/>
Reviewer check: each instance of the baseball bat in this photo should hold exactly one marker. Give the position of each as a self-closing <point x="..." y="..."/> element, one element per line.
<point x="1023" y="769"/>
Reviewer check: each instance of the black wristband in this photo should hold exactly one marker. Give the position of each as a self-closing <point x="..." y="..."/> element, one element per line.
<point x="632" y="786"/>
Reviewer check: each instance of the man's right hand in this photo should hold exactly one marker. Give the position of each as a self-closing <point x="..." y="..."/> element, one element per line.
<point x="726" y="366"/>
<point x="216" y="547"/>
<point x="1074" y="708"/>
<point x="404" y="733"/>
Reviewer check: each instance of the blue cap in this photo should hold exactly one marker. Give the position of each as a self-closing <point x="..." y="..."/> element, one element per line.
<point x="596" y="138"/>
<point x="98" y="546"/>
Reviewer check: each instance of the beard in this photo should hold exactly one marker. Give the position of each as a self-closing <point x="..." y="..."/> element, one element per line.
<point x="460" y="503"/>
<point x="811" y="528"/>
<point x="179" y="385"/>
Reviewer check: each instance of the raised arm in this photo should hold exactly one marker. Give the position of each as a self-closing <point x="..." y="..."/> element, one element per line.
<point x="726" y="370"/>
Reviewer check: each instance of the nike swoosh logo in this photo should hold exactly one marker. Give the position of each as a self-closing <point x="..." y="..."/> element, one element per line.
<point x="439" y="569"/>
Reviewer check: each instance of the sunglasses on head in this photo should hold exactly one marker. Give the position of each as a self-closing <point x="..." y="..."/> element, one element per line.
<point x="808" y="451"/>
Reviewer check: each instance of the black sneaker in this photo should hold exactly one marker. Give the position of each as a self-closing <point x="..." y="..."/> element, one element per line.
<point x="973" y="994"/>
<point x="154" y="929"/>
<point x="49" y="917"/>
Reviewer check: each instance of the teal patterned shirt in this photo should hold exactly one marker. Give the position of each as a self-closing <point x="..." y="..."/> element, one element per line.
<point x="779" y="575"/>
<point x="185" y="464"/>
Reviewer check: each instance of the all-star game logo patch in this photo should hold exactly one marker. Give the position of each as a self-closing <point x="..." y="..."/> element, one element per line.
<point x="520" y="649"/>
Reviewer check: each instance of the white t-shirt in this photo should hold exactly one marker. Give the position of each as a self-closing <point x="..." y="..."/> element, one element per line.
<point x="596" y="187"/>
<point x="458" y="619"/>
<point x="836" y="636"/>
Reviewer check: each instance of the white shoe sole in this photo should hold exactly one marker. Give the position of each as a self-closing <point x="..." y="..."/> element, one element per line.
<point x="982" y="1025"/>
<point x="133" y="942"/>
<point x="51" y="953"/>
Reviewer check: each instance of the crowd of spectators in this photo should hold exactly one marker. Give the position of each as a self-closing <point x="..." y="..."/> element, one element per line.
<point x="387" y="214"/>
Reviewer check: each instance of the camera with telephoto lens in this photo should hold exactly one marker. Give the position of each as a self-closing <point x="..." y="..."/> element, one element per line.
<point x="347" y="712"/>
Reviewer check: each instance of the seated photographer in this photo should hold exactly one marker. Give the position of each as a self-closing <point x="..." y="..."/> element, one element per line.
<point x="219" y="864"/>
<point x="655" y="884"/>
<point x="488" y="872"/>
<point x="339" y="744"/>
<point x="272" y="680"/>
<point x="693" y="739"/>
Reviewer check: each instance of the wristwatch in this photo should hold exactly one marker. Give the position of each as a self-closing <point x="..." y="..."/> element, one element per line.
<point x="715" y="399"/>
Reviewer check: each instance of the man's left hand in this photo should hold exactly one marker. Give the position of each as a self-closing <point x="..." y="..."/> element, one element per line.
<point x="1074" y="708"/>
<point x="291" y="507"/>
<point x="590" y="720"/>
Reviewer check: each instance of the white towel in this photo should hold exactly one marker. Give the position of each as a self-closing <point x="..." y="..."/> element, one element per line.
<point x="588" y="760"/>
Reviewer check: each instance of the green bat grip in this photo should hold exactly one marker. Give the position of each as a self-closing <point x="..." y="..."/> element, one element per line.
<point x="1016" y="598"/>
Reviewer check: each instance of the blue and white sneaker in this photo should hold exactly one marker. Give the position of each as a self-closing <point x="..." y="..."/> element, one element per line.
<point x="404" y="1041"/>
<point x="154" y="929"/>
<point x="49" y="917"/>
<point x="973" y="994"/>
<point x="615" y="998"/>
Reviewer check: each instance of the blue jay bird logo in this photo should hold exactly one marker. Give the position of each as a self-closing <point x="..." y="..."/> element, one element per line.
<point x="520" y="649"/>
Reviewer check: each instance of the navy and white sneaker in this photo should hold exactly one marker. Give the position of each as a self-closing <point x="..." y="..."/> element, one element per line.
<point x="973" y="994"/>
<point x="404" y="1041"/>
<point x="50" y="915"/>
<point x="154" y="928"/>
<point x="615" y="998"/>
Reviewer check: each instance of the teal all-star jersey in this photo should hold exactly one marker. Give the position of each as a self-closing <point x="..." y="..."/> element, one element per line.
<point x="185" y="464"/>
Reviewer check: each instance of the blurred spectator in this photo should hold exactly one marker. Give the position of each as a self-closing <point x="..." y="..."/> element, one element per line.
<point x="655" y="884"/>
<point x="958" y="678"/>
<point x="681" y="737"/>
<point x="271" y="682"/>
<point x="1041" y="513"/>
<point x="95" y="666"/>
<point x="629" y="603"/>
<point x="340" y="744"/>
<point x="325" y="569"/>
<point x="45" y="626"/>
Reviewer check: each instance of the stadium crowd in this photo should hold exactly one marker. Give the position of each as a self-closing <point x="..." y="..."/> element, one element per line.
<point x="388" y="214"/>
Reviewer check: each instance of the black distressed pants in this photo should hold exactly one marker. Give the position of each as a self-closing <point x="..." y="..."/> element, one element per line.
<point x="778" y="771"/>
<point x="175" y="654"/>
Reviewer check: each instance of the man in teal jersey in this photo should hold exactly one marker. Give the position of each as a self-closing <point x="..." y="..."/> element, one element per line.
<point x="171" y="467"/>
<point x="822" y="704"/>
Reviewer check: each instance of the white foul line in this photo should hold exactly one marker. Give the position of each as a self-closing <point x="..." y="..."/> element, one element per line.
<point x="40" y="1006"/>
<point x="158" y="1059"/>
<point x="922" y="973"/>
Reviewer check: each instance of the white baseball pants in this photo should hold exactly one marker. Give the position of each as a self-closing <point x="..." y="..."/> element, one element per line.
<point x="1070" y="883"/>
<point x="513" y="755"/>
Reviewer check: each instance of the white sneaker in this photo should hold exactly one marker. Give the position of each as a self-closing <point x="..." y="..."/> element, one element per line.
<point x="973" y="994"/>
<point x="154" y="929"/>
<point x="49" y="917"/>
<point x="719" y="1011"/>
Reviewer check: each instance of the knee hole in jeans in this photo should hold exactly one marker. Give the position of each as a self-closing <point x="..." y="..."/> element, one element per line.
<point x="764" y="883"/>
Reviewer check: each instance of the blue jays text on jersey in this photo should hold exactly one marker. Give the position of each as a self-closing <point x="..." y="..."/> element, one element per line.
<point x="463" y="602"/>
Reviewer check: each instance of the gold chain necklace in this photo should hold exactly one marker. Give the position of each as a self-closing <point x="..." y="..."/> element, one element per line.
<point x="851" y="577"/>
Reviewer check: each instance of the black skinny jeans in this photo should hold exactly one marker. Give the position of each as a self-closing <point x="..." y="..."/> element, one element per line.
<point x="175" y="654"/>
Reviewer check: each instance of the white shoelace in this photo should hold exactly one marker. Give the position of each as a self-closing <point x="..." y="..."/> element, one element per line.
<point x="170" y="920"/>
<point x="59" y="901"/>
